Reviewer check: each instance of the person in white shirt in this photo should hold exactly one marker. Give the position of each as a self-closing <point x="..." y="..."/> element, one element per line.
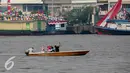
<point x="42" y="49"/>
<point x="30" y="50"/>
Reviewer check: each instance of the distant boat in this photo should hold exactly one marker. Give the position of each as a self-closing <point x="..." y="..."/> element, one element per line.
<point x="113" y="27"/>
<point x="62" y="53"/>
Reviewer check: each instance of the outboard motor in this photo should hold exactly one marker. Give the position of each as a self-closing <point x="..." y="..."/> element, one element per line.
<point x="27" y="53"/>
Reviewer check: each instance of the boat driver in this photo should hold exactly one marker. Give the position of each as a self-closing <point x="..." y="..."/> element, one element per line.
<point x="57" y="48"/>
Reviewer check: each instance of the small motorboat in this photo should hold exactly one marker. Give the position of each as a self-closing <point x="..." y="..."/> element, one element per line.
<point x="62" y="53"/>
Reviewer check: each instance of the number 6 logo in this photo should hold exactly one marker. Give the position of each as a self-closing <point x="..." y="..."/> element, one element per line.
<point x="8" y="62"/>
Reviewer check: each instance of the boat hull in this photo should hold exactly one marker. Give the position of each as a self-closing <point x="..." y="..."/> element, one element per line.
<point x="110" y="31"/>
<point x="67" y="53"/>
<point x="15" y="32"/>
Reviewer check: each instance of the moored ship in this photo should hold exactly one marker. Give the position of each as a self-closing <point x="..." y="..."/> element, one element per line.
<point x="110" y="25"/>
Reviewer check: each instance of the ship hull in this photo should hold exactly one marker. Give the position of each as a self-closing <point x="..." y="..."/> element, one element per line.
<point x="110" y="31"/>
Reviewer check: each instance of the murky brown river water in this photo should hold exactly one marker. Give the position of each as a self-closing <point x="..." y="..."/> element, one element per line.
<point x="108" y="54"/>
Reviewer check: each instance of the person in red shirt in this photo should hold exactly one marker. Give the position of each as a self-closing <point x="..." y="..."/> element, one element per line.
<point x="49" y="48"/>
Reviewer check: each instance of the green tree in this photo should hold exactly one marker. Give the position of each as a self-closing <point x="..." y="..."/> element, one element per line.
<point x="80" y="16"/>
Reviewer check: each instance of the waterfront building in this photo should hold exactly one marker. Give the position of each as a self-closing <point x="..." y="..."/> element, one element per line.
<point x="57" y="7"/>
<point x="53" y="6"/>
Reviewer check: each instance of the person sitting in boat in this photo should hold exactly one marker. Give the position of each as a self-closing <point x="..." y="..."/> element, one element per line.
<point x="43" y="49"/>
<point x="49" y="48"/>
<point x="30" y="50"/>
<point x="53" y="49"/>
<point x="57" y="47"/>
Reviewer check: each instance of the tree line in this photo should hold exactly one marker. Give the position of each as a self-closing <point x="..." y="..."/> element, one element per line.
<point x="79" y="16"/>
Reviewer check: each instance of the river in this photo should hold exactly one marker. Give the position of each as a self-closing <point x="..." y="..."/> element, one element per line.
<point x="108" y="54"/>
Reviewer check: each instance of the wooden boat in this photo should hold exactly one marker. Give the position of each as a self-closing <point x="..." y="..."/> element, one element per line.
<point x="62" y="53"/>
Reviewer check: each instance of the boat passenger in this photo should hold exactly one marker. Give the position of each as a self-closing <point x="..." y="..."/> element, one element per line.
<point x="53" y="49"/>
<point x="57" y="48"/>
<point x="49" y="48"/>
<point x="30" y="50"/>
<point x="43" y="49"/>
